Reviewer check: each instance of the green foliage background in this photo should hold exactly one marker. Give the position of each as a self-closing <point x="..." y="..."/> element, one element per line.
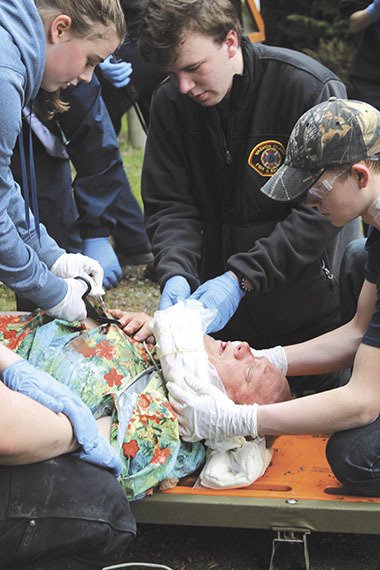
<point x="314" y="27"/>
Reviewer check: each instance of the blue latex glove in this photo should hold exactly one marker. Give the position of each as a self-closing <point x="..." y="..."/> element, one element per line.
<point x="118" y="74"/>
<point x="222" y="293"/>
<point x="100" y="249"/>
<point x="38" y="385"/>
<point x="176" y="289"/>
<point x="102" y="455"/>
<point x="373" y="10"/>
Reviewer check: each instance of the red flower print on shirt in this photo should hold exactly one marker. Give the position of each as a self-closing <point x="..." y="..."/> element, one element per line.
<point x="131" y="448"/>
<point x="160" y="455"/>
<point x="144" y="401"/>
<point x="113" y="378"/>
<point x="105" y="350"/>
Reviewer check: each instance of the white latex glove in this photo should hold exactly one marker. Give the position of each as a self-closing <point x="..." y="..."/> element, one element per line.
<point x="203" y="414"/>
<point x="275" y="355"/>
<point x="72" y="307"/>
<point x="78" y="265"/>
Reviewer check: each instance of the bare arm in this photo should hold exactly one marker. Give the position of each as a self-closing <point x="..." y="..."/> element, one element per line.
<point x="336" y="349"/>
<point x="30" y="432"/>
<point x="359" y="21"/>
<point x="353" y="405"/>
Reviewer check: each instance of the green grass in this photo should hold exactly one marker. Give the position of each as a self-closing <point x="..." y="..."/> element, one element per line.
<point x="7" y="299"/>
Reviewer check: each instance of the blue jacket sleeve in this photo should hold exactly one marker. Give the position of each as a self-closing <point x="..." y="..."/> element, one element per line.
<point x="24" y="261"/>
<point x="93" y="149"/>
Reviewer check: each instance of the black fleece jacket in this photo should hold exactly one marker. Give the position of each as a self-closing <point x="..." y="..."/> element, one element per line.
<point x="205" y="214"/>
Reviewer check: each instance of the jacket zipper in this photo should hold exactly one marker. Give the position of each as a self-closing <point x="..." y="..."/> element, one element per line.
<point x="326" y="270"/>
<point x="328" y="273"/>
<point x="225" y="148"/>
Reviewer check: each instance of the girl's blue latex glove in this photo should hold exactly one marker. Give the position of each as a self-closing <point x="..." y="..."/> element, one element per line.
<point x="222" y="293"/>
<point x="38" y="385"/>
<point x="118" y="73"/>
<point x="176" y="289"/>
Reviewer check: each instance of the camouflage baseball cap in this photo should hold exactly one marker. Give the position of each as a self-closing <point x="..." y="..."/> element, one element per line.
<point x="333" y="133"/>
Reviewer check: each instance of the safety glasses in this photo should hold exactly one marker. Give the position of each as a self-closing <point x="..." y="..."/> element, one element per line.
<point x="321" y="188"/>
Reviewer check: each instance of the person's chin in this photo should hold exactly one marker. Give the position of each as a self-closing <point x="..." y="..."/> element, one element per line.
<point x="49" y="89"/>
<point x="336" y="222"/>
<point x="52" y="87"/>
<point x="207" y="99"/>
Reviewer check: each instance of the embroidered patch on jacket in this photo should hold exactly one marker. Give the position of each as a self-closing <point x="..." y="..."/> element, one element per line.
<point x="266" y="157"/>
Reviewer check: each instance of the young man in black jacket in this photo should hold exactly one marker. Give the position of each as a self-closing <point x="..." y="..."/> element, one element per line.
<point x="219" y="129"/>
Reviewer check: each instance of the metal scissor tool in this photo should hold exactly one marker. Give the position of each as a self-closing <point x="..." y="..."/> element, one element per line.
<point x="96" y="309"/>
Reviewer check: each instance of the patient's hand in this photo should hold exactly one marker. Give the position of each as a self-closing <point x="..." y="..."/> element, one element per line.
<point x="136" y="325"/>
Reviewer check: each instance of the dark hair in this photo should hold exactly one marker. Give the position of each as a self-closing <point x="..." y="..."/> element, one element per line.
<point x="373" y="165"/>
<point x="164" y="24"/>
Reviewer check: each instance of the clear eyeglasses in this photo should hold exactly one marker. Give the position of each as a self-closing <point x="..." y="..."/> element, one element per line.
<point x="318" y="192"/>
<point x="321" y="188"/>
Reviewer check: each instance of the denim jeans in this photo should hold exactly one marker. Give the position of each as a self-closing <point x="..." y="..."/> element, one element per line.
<point x="354" y="457"/>
<point x="62" y="513"/>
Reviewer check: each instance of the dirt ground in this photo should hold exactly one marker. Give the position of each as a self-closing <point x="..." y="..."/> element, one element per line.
<point x="201" y="548"/>
<point x="135" y="292"/>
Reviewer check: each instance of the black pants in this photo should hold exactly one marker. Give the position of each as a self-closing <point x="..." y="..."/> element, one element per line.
<point x="354" y="457"/>
<point x="62" y="514"/>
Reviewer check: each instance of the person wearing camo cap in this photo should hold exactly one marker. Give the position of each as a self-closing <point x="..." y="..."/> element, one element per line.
<point x="333" y="159"/>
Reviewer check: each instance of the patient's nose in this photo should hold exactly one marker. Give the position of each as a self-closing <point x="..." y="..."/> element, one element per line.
<point x="242" y="351"/>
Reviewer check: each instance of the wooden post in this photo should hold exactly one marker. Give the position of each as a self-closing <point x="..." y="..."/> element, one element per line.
<point x="136" y="133"/>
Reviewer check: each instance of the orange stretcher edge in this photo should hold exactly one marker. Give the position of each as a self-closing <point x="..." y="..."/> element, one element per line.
<point x="297" y="490"/>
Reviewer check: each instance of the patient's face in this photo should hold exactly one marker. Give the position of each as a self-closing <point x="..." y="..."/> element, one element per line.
<point x="246" y="378"/>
